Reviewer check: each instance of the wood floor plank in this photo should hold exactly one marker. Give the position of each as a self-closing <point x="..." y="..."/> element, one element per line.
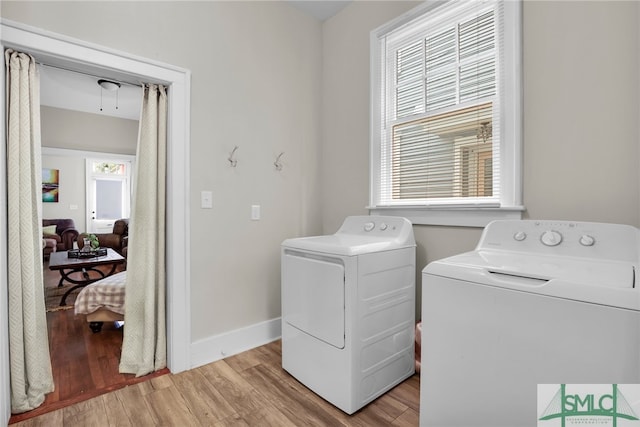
<point x="135" y="406"/>
<point x="248" y="359"/>
<point x="168" y="405"/>
<point x="283" y="396"/>
<point x="64" y="388"/>
<point x="409" y="418"/>
<point x="54" y="396"/>
<point x="103" y="353"/>
<point x="221" y="372"/>
<point x="237" y="392"/>
<point x="117" y="416"/>
<point x="50" y="419"/>
<point x="377" y="413"/>
<point x="341" y="417"/>
<point x="272" y="356"/>
<point x="89" y="413"/>
<point x="234" y="420"/>
<point x="159" y="383"/>
<point x="409" y="393"/>
<point x="275" y="346"/>
<point x="206" y="402"/>
<point x="249" y="390"/>
<point x="145" y="388"/>
<point x="268" y="417"/>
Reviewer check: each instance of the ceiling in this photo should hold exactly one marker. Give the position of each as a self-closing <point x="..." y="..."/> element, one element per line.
<point x="79" y="91"/>
<point x="320" y="9"/>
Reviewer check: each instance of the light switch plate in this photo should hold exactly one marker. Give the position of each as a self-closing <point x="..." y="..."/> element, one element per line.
<point x="206" y="199"/>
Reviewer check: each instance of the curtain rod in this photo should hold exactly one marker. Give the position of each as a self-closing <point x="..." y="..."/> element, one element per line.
<point x="90" y="75"/>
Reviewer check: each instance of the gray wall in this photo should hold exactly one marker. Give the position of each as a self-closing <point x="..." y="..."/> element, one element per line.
<point x="269" y="79"/>
<point x="580" y="116"/>
<point x="71" y="190"/>
<point x="81" y="132"/>
<point x="256" y="79"/>
<point x="74" y="130"/>
<point x="581" y="111"/>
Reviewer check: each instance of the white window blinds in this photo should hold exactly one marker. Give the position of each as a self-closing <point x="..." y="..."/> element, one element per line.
<point x="440" y="108"/>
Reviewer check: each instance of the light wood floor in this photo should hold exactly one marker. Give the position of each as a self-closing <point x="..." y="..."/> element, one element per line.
<point x="249" y="389"/>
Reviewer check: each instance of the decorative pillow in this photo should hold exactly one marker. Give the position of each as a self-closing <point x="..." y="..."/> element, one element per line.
<point x="49" y="229"/>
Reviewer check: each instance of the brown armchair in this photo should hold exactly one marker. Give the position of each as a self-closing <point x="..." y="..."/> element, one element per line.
<point x="116" y="240"/>
<point x="63" y="237"/>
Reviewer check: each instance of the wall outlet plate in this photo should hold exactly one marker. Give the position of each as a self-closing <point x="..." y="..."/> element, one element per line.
<point x="255" y="212"/>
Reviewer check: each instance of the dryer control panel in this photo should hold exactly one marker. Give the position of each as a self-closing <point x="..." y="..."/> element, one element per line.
<point x="391" y="227"/>
<point x="359" y="235"/>
<point x="566" y="238"/>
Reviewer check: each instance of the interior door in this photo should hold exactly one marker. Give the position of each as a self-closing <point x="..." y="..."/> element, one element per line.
<point x="108" y="193"/>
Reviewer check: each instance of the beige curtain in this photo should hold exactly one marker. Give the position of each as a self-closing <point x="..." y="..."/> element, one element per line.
<point x="144" y="344"/>
<point x="30" y="362"/>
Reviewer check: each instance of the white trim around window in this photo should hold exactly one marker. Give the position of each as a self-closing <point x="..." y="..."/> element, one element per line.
<point x="506" y="202"/>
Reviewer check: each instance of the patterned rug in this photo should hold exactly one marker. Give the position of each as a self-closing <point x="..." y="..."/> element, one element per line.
<point x="53" y="295"/>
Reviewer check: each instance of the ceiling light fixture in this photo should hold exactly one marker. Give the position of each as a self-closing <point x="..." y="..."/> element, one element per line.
<point x="109" y="86"/>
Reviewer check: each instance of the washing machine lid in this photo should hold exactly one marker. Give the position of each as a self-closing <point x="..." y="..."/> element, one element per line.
<point x="597" y="281"/>
<point x="360" y="235"/>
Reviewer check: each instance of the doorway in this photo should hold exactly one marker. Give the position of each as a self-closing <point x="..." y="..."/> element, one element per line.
<point x="108" y="189"/>
<point x="77" y="54"/>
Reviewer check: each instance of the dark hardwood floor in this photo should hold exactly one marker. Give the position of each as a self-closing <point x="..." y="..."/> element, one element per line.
<point x="248" y="389"/>
<point x="84" y="364"/>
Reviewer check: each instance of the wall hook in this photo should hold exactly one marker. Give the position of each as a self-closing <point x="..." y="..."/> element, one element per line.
<point x="232" y="159"/>
<point x="277" y="163"/>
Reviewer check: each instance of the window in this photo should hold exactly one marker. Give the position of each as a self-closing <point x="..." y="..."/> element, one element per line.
<point x="108" y="189"/>
<point x="446" y="126"/>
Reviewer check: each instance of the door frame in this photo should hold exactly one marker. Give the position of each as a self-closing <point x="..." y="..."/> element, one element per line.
<point x="56" y="49"/>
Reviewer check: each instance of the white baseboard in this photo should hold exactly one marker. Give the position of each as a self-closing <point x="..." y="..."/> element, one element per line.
<point x="224" y="345"/>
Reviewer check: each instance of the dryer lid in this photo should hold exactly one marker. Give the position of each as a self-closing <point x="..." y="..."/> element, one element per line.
<point x="346" y="245"/>
<point x="359" y="235"/>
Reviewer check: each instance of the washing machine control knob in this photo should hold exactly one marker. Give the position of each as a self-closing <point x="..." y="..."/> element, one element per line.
<point x="551" y="238"/>
<point x="587" y="240"/>
<point x="369" y="226"/>
<point x="383" y="226"/>
<point x="520" y="236"/>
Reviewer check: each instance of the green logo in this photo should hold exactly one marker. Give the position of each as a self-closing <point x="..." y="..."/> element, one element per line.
<point x="613" y="405"/>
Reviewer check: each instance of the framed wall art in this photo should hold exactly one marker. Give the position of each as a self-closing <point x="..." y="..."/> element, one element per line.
<point x="50" y="185"/>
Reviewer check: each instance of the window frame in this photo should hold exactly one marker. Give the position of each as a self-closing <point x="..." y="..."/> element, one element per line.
<point x="94" y="224"/>
<point x="458" y="212"/>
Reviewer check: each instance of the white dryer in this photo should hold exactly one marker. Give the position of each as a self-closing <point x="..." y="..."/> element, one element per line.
<point x="537" y="302"/>
<point x="348" y="309"/>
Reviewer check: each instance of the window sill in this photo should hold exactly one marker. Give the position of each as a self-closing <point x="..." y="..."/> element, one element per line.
<point x="458" y="217"/>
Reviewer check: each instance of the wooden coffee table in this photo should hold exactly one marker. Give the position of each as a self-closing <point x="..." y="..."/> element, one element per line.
<point x="67" y="266"/>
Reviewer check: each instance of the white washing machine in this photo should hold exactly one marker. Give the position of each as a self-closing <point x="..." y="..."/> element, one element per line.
<point x="348" y="309"/>
<point x="537" y="302"/>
